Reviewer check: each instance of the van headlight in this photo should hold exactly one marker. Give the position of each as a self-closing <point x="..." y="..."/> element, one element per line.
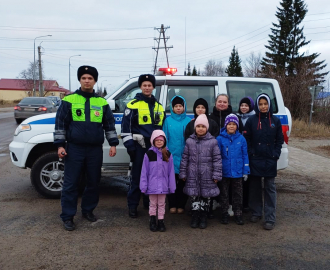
<point x="22" y="127"/>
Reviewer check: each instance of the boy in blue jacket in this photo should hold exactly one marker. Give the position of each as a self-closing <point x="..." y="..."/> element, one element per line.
<point x="174" y="128"/>
<point x="235" y="166"/>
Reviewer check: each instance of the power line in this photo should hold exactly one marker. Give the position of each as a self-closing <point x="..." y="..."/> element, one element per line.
<point x="66" y="40"/>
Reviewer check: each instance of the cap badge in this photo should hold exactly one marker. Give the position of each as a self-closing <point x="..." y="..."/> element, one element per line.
<point x="86" y="68"/>
<point x="146" y="76"/>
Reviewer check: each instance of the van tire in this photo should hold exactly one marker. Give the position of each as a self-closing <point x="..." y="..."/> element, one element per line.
<point x="47" y="169"/>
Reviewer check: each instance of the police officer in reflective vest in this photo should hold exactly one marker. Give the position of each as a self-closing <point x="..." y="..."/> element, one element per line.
<point x="141" y="117"/>
<point x="81" y="122"/>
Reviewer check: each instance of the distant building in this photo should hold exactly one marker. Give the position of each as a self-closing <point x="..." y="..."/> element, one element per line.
<point x="16" y="89"/>
<point x="323" y="99"/>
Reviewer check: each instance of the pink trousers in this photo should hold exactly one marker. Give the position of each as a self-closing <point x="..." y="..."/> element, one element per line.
<point x="157" y="201"/>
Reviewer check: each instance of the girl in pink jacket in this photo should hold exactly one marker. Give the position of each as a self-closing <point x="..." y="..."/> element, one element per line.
<point x="157" y="178"/>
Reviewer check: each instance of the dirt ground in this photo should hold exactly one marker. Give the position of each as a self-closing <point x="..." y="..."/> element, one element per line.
<point x="319" y="146"/>
<point x="32" y="236"/>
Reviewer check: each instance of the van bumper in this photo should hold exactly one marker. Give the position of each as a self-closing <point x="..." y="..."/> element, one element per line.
<point x="19" y="152"/>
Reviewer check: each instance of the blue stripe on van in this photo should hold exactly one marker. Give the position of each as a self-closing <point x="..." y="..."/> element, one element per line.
<point x="118" y="117"/>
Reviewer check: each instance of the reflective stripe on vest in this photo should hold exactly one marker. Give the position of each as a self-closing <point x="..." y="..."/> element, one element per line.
<point x="78" y="108"/>
<point x="144" y="113"/>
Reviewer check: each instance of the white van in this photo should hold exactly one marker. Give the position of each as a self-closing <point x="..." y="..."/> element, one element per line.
<point x="32" y="146"/>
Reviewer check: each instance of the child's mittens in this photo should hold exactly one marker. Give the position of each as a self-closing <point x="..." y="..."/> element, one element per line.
<point x="245" y="177"/>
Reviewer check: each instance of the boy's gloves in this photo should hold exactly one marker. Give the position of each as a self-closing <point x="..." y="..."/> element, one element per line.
<point x="131" y="155"/>
<point x="245" y="177"/>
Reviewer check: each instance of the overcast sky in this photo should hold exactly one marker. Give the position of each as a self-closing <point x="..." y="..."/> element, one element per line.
<point x="117" y="36"/>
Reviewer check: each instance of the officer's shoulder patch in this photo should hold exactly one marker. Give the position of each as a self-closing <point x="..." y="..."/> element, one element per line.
<point x="152" y="155"/>
<point x="127" y="112"/>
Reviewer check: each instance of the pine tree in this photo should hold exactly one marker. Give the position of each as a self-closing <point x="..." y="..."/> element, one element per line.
<point x="234" y="68"/>
<point x="189" y="71"/>
<point x="194" y="72"/>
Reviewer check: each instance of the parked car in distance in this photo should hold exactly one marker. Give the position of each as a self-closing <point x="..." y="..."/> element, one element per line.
<point x="31" y="106"/>
<point x="56" y="100"/>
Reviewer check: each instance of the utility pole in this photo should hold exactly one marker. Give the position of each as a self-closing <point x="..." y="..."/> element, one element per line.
<point x="314" y="90"/>
<point x="41" y="83"/>
<point x="161" y="31"/>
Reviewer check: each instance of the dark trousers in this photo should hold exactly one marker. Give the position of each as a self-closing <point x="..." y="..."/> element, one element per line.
<point x="81" y="157"/>
<point x="237" y="195"/>
<point x="246" y="185"/>
<point x="178" y="199"/>
<point x="255" y="199"/>
<point x="134" y="192"/>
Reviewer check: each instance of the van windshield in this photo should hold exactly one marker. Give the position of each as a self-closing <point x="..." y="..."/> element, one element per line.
<point x="238" y="90"/>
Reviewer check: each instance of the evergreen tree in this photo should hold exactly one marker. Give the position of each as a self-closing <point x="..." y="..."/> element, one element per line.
<point x="199" y="72"/>
<point x="189" y="71"/>
<point x="105" y="92"/>
<point x="194" y="72"/>
<point x="234" y="68"/>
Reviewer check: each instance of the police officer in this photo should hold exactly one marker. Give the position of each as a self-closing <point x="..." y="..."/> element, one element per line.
<point x="82" y="120"/>
<point x="141" y="117"/>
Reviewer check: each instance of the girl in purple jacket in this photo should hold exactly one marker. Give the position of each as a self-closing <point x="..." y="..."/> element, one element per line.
<point x="157" y="178"/>
<point x="201" y="169"/>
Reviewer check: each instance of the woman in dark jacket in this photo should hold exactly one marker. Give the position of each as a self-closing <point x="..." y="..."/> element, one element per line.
<point x="264" y="137"/>
<point x="201" y="107"/>
<point x="221" y="110"/>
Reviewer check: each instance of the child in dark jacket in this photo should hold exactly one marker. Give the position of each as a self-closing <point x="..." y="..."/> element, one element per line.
<point x="157" y="178"/>
<point x="174" y="127"/>
<point x="201" y="170"/>
<point x="264" y="137"/>
<point x="235" y="166"/>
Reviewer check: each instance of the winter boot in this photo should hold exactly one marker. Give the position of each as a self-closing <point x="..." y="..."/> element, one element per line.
<point x="210" y="214"/>
<point x="161" y="225"/>
<point x="239" y="220"/>
<point x="194" y="219"/>
<point x="153" y="224"/>
<point x="203" y="220"/>
<point x="224" y="218"/>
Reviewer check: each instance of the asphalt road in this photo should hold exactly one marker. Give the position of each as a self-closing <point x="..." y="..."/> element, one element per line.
<point x="32" y="236"/>
<point x="7" y="129"/>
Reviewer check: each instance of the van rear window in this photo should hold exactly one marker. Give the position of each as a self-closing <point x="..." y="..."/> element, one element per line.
<point x="238" y="90"/>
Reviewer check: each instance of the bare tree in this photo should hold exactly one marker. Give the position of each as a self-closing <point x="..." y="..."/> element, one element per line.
<point x="252" y="65"/>
<point x="213" y="68"/>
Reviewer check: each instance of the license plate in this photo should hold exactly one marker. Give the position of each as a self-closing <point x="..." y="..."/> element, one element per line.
<point x="29" y="109"/>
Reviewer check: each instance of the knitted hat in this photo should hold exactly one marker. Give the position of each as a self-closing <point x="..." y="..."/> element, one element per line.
<point x="231" y="118"/>
<point x="147" y="77"/>
<point x="157" y="133"/>
<point x="177" y="100"/>
<point x="202" y="120"/>
<point x="159" y="138"/>
<point x="87" y="70"/>
<point x="248" y="101"/>
<point x="201" y="101"/>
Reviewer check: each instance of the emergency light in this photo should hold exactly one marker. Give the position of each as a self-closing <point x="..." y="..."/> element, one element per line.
<point x="168" y="71"/>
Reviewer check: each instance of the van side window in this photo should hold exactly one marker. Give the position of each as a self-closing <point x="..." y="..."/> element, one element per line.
<point x="190" y="94"/>
<point x="238" y="90"/>
<point x="128" y="94"/>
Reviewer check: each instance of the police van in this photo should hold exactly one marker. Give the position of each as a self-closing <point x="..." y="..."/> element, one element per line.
<point x="32" y="146"/>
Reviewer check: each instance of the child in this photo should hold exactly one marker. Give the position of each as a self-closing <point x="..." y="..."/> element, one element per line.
<point x="174" y="127"/>
<point x="235" y="162"/>
<point x="157" y="178"/>
<point x="246" y="109"/>
<point x="201" y="170"/>
<point x="264" y="137"/>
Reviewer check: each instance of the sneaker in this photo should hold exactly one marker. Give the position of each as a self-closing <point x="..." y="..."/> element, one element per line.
<point x="69" y="225"/>
<point x="230" y="211"/>
<point x="173" y="210"/>
<point x="255" y="219"/>
<point x="180" y="210"/>
<point x="269" y="225"/>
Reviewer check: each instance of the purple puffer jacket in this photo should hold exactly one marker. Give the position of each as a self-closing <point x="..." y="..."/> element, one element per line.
<point x="200" y="165"/>
<point x="157" y="176"/>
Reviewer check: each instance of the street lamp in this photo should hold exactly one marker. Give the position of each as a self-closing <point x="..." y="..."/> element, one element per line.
<point x="70" y="71"/>
<point x="34" y="64"/>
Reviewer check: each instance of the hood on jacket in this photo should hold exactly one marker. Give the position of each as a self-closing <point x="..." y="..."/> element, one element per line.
<point x="248" y="101"/>
<point x="270" y="107"/>
<point x="155" y="134"/>
<point x="182" y="116"/>
<point x="201" y="101"/>
<point x="207" y="136"/>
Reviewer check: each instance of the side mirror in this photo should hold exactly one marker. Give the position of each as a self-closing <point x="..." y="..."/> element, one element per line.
<point x="112" y="104"/>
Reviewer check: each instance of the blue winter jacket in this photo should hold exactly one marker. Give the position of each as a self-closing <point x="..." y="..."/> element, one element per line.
<point x="233" y="148"/>
<point x="174" y="128"/>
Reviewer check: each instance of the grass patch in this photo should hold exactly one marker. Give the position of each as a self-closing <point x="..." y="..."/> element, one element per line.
<point x="301" y="129"/>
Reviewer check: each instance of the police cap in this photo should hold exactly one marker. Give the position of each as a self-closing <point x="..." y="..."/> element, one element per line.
<point x="147" y="77"/>
<point x="87" y="70"/>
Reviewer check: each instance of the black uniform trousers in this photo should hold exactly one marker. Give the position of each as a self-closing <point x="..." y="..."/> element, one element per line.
<point x="134" y="192"/>
<point x="78" y="158"/>
<point x="178" y="199"/>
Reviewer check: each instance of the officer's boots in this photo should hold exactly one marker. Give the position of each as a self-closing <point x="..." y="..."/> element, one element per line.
<point x="161" y="225"/>
<point x="153" y="224"/>
<point x="203" y="220"/>
<point x="194" y="219"/>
